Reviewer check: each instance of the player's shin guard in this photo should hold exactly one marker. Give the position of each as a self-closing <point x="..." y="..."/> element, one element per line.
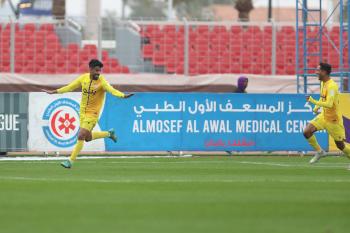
<point x="77" y="148"/>
<point x="102" y="134"/>
<point x="346" y="150"/>
<point x="313" y="142"/>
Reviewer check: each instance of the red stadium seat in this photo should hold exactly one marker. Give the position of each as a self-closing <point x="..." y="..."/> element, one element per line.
<point x="235" y="68"/>
<point x="288" y="30"/>
<point x="180" y="69"/>
<point x="171" y="68"/>
<point x="73" y="47"/>
<point x="5" y="67"/>
<point x="47" y="27"/>
<point x="169" y="31"/>
<point x="90" y="47"/>
<point x="40" y="35"/>
<point x="7" y="27"/>
<point x="31" y="27"/>
<point x="193" y="70"/>
<point x="213" y="49"/>
<point x="202" y="29"/>
<point x="83" y="68"/>
<point x="253" y="29"/>
<point x="73" y="68"/>
<point x="84" y="56"/>
<point x="114" y="62"/>
<point x="125" y="69"/>
<point x="147" y="51"/>
<point x="158" y="60"/>
<point x="236" y="29"/>
<point x="52" y="38"/>
<point x="105" y="55"/>
<point x="28" y="69"/>
<point x="213" y="68"/>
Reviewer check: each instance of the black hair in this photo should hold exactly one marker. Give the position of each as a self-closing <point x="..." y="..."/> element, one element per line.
<point x="326" y="67"/>
<point x="94" y="62"/>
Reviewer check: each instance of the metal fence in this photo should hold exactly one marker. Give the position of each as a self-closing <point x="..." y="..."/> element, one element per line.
<point x="173" y="47"/>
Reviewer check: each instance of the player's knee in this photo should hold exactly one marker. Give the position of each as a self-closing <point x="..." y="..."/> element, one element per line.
<point x="88" y="137"/>
<point x="81" y="137"/>
<point x="307" y="134"/>
<point x="340" y="145"/>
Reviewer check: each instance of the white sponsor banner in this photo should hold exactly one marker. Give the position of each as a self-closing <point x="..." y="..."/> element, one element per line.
<point x="54" y="123"/>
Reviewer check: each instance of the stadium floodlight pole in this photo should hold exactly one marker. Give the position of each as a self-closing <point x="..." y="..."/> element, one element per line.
<point x="273" y="48"/>
<point x="14" y="9"/>
<point x="269" y="12"/>
<point x="12" y="46"/>
<point x="186" y="47"/>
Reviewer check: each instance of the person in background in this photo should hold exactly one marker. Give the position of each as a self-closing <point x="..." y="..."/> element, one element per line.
<point x="242" y="85"/>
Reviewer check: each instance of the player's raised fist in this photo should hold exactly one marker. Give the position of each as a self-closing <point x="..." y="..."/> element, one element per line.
<point x="128" y="95"/>
<point x="49" y="91"/>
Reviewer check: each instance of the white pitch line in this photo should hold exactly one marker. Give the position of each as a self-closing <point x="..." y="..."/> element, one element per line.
<point x="304" y="165"/>
<point x="266" y="163"/>
<point x="150" y="181"/>
<point x="198" y="161"/>
<point x="32" y="159"/>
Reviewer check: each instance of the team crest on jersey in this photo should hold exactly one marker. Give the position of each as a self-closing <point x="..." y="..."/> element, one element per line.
<point x="61" y="125"/>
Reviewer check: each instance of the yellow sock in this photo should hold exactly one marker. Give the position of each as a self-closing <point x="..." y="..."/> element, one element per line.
<point x="313" y="142"/>
<point x="77" y="148"/>
<point x="346" y="150"/>
<point x="102" y="134"/>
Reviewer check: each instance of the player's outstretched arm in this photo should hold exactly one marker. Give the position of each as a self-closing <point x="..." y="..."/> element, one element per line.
<point x="70" y="87"/>
<point x="107" y="87"/>
<point x="50" y="92"/>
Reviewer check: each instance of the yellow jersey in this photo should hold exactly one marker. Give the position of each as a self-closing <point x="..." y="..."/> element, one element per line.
<point x="93" y="93"/>
<point x="329" y="101"/>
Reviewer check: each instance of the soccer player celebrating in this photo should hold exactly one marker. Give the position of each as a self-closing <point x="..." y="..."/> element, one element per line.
<point x="330" y="118"/>
<point x="93" y="86"/>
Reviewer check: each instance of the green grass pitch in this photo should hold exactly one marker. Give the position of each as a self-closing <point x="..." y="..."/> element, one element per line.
<point x="243" y="194"/>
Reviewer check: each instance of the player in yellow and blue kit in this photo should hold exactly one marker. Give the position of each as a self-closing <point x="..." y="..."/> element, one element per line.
<point x="94" y="87"/>
<point x="330" y="118"/>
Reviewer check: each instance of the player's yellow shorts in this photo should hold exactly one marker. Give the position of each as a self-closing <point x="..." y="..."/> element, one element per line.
<point x="336" y="130"/>
<point x="87" y="123"/>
